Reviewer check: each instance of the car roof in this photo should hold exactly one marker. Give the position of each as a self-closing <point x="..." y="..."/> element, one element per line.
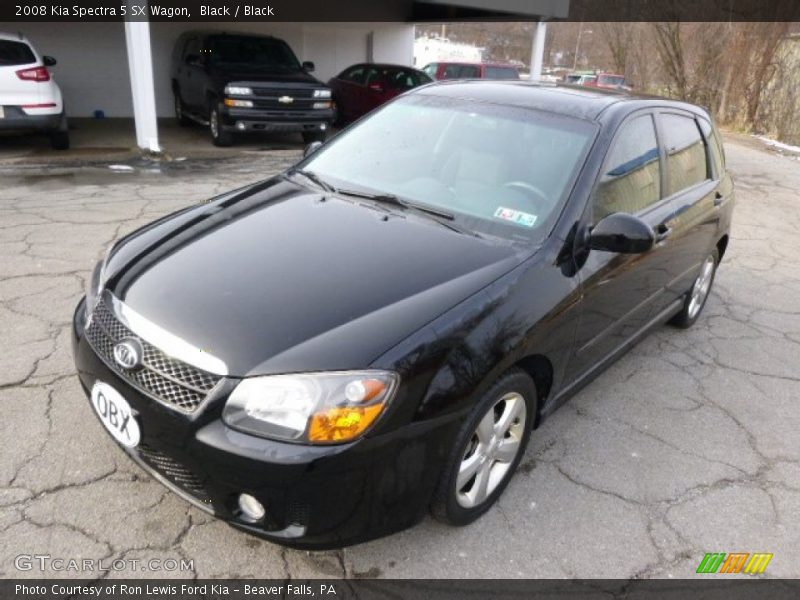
<point x="571" y="100"/>
<point x="380" y="66"/>
<point x="14" y="37"/>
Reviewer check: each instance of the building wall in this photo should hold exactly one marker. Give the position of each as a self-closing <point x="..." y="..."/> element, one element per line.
<point x="92" y="65"/>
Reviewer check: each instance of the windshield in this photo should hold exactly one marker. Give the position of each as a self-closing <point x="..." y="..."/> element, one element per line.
<point x="501" y="171"/>
<point x="252" y="52"/>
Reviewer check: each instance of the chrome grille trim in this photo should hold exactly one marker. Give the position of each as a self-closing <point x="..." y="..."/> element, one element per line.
<point x="171" y="382"/>
<point x="198" y="497"/>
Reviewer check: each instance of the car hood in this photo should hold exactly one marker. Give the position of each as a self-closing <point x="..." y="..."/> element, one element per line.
<point x="278" y="278"/>
<point x="255" y="76"/>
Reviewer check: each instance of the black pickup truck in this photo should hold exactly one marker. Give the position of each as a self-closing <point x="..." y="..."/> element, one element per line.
<point x="236" y="83"/>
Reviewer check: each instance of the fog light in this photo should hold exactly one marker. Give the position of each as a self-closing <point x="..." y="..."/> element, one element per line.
<point x="323" y="127"/>
<point x="252" y="509"/>
<point x="240" y="126"/>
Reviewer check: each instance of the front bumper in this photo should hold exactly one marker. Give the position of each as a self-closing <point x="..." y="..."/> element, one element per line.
<point x="253" y="119"/>
<point x="15" y="119"/>
<point x="316" y="497"/>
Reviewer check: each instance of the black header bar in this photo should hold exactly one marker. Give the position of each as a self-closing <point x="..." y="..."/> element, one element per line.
<point x="13" y="12"/>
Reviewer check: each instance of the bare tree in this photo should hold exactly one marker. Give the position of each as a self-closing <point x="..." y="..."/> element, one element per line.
<point x="619" y="37"/>
<point x="670" y="49"/>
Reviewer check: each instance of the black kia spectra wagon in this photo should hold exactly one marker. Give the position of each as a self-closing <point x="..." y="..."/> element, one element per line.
<point x="324" y="357"/>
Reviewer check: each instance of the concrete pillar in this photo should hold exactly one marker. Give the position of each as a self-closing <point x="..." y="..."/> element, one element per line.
<point x="140" y="67"/>
<point x="537" y="50"/>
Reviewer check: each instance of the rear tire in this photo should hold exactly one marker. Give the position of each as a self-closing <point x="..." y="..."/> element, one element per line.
<point x="698" y="295"/>
<point x="218" y="136"/>
<point x="487" y="450"/>
<point x="59" y="139"/>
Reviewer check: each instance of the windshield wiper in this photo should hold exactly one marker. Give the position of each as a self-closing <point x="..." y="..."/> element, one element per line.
<point x="429" y="210"/>
<point x="313" y="177"/>
<point x="392" y="199"/>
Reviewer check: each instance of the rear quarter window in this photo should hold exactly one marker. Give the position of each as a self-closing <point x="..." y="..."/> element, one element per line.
<point x="15" y="53"/>
<point x="714" y="147"/>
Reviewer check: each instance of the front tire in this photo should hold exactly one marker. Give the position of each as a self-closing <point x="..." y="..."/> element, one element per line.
<point x="313" y="136"/>
<point x="698" y="295"/>
<point x="180" y="113"/>
<point x="487" y="450"/>
<point x="218" y="136"/>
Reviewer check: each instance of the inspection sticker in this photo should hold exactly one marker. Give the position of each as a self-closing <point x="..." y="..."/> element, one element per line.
<point x="515" y="216"/>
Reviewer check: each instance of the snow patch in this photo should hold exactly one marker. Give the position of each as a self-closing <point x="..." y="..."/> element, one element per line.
<point x="779" y="145"/>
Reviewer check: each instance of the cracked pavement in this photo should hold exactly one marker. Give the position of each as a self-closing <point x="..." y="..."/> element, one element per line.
<point x="688" y="444"/>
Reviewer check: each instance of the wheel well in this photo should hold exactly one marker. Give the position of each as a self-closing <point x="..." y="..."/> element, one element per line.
<point x="722" y="244"/>
<point x="540" y="369"/>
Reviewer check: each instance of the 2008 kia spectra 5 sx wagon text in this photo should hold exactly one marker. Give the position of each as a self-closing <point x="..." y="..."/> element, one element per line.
<point x="323" y="357"/>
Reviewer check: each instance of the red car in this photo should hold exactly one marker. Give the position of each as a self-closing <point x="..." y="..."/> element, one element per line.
<point x="609" y="81"/>
<point x="360" y="88"/>
<point x="469" y="70"/>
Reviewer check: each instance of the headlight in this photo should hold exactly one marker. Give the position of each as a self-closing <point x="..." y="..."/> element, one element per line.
<point x="96" y="281"/>
<point x="317" y="408"/>
<point x="93" y="287"/>
<point x="235" y="90"/>
<point x="322" y="93"/>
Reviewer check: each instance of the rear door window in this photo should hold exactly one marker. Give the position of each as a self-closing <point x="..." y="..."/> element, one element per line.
<point x="686" y="152"/>
<point x="15" y="53"/>
<point x="631" y="178"/>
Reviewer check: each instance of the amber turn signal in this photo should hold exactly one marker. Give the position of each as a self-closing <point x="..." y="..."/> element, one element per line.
<point x="341" y="424"/>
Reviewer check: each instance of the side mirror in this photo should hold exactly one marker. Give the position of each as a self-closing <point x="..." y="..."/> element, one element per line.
<point x="622" y="233"/>
<point x="308" y="66"/>
<point x="311" y="148"/>
<point x="49" y="61"/>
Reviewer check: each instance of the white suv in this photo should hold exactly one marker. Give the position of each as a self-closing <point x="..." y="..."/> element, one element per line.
<point x="29" y="98"/>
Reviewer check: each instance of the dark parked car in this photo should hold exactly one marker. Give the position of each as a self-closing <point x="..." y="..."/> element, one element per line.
<point x="361" y="88"/>
<point x="322" y="357"/>
<point x="468" y="70"/>
<point x="236" y="83"/>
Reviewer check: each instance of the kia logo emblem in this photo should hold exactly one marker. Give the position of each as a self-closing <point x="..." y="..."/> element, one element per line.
<point x="128" y="353"/>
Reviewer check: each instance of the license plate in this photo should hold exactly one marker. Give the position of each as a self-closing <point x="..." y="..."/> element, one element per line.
<point x="116" y="414"/>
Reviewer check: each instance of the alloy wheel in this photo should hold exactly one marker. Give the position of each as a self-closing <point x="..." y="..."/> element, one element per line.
<point x="491" y="450"/>
<point x="701" y="287"/>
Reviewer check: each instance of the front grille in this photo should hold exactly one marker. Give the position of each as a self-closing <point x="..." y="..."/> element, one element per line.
<point x="268" y="99"/>
<point x="278" y="92"/>
<point x="172" y="382"/>
<point x="175" y="472"/>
